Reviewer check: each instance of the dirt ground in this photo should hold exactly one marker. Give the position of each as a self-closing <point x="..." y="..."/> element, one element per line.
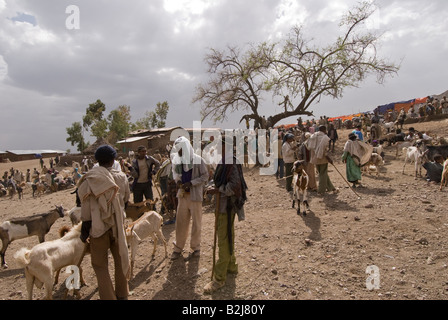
<point x="399" y="225"/>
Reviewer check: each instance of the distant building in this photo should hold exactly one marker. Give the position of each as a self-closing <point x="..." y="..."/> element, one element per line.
<point x="154" y="140"/>
<point x="21" y="155"/>
<point x="3" y="156"/>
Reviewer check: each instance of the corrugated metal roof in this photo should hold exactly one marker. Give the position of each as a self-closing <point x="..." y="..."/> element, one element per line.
<point x="23" y="152"/>
<point x="155" y="130"/>
<point x="132" y="139"/>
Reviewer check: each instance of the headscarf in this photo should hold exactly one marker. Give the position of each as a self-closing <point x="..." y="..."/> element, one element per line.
<point x="185" y="161"/>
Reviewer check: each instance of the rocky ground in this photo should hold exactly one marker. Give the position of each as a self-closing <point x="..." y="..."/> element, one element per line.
<point x="399" y="225"/>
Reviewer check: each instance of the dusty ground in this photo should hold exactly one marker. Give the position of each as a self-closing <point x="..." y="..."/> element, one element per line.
<point x="399" y="225"/>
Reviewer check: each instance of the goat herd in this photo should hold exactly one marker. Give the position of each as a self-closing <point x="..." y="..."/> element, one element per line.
<point x="43" y="263"/>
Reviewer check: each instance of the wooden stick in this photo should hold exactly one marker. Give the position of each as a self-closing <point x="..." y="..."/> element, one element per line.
<point x="218" y="196"/>
<point x="359" y="197"/>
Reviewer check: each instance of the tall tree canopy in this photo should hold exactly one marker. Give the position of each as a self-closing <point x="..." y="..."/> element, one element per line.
<point x="293" y="70"/>
<point x="119" y="123"/>
<point x="94" y="120"/>
<point x="153" y="119"/>
<point x="75" y="136"/>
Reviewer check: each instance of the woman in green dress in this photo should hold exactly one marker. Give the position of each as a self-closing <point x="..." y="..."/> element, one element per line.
<point x="351" y="158"/>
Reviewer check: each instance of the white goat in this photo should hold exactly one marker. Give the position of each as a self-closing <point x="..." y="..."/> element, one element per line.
<point x="375" y="162"/>
<point x="444" y="180"/>
<point x="149" y="224"/>
<point x="389" y="126"/>
<point x="402" y="145"/>
<point x="45" y="259"/>
<point x="414" y="155"/>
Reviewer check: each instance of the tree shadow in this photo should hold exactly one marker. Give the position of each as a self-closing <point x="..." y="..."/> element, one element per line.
<point x="382" y="192"/>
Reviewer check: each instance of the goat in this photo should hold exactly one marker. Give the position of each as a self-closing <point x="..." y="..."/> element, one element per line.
<point x="375" y="161"/>
<point x="135" y="210"/>
<point x="18" y="228"/>
<point x="414" y="155"/>
<point x="402" y="145"/>
<point x="444" y="180"/>
<point x="39" y="187"/>
<point x="62" y="232"/>
<point x="43" y="260"/>
<point x="149" y="224"/>
<point x="389" y="126"/>
<point x="300" y="184"/>
<point x="433" y="150"/>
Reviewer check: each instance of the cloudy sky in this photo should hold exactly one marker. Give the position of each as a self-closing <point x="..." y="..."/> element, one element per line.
<point x="141" y="52"/>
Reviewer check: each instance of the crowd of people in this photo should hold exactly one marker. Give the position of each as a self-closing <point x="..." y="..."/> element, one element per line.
<point x="14" y="181"/>
<point x="313" y="142"/>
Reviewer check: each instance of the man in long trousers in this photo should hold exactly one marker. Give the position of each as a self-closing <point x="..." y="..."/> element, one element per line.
<point x="230" y="187"/>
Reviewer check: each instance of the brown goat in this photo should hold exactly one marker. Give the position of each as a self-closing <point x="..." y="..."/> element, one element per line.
<point x="136" y="210"/>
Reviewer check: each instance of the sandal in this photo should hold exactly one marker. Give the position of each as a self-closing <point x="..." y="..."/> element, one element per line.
<point x="194" y="254"/>
<point x="175" y="255"/>
<point x="213" y="286"/>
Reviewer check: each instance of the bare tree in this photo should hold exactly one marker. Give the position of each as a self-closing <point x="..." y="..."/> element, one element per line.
<point x="295" y="70"/>
<point x="237" y="82"/>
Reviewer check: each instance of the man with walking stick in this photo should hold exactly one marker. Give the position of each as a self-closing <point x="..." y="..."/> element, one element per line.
<point x="230" y="190"/>
<point x="318" y="144"/>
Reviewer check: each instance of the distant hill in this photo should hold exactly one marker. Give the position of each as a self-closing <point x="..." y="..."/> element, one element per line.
<point x="440" y="96"/>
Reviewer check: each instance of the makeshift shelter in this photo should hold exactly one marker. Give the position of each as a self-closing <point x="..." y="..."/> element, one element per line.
<point x="406" y="105"/>
<point x="421" y="100"/>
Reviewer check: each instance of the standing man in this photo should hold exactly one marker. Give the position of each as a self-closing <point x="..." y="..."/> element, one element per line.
<point x="444" y="105"/>
<point x="191" y="174"/>
<point x="104" y="193"/>
<point x="318" y="144"/>
<point x="281" y="165"/>
<point x="230" y="190"/>
<point x="142" y="170"/>
<point x="305" y="155"/>
<point x="333" y="135"/>
<point x="288" y="152"/>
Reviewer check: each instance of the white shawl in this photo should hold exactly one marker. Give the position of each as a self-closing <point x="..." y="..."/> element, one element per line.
<point x="318" y="143"/>
<point x="360" y="150"/>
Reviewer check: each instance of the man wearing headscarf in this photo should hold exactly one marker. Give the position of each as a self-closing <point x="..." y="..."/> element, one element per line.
<point x="230" y="187"/>
<point x="191" y="174"/>
<point x="318" y="144"/>
<point x="104" y="193"/>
